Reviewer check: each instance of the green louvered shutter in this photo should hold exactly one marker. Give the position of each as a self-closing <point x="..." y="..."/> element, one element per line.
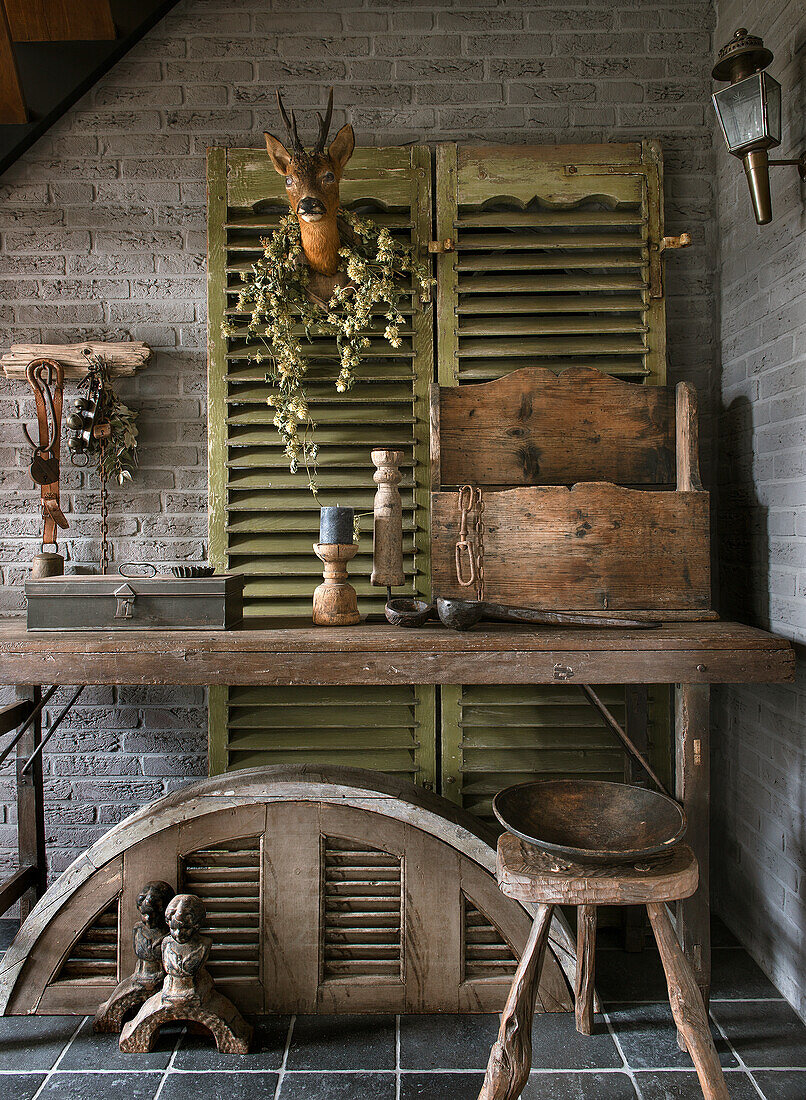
<point x="263" y="519"/>
<point x="555" y="263"/>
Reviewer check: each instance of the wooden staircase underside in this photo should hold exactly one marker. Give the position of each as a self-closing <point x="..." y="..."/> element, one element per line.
<point x="51" y="54"/>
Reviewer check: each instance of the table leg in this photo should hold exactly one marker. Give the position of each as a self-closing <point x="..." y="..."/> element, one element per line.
<point x="511" y="1055"/>
<point x="586" y="968"/>
<point x="692" y="741"/>
<point x="688" y="1008"/>
<point x="31" y="809"/>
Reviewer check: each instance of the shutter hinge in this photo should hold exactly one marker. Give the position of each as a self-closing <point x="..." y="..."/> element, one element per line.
<point x="439" y="247"/>
<point x="655" y="253"/>
<point x="683" y="241"/>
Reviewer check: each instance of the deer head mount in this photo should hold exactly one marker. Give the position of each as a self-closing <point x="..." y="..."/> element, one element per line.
<point x="312" y="184"/>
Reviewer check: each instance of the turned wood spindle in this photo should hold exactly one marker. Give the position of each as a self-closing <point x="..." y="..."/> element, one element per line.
<point x="335" y="602"/>
<point x="387" y="548"/>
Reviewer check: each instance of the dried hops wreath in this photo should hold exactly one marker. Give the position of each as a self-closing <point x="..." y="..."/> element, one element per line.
<point x="282" y="314"/>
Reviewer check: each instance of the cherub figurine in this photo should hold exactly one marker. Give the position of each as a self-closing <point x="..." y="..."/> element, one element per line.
<point x="148" y="975"/>
<point x="188" y="993"/>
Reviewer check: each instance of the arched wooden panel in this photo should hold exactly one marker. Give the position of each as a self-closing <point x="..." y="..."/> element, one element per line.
<point x="328" y="890"/>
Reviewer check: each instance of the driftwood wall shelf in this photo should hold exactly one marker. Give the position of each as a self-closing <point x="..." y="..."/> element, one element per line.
<point x="581" y="492"/>
<point x="124" y="358"/>
<point x="326" y="890"/>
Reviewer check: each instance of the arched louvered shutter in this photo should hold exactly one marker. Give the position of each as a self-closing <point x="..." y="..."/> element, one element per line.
<point x="554" y="261"/>
<point x="264" y="520"/>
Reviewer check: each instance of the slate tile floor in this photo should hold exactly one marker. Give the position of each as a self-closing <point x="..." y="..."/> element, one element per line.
<point x="633" y="1054"/>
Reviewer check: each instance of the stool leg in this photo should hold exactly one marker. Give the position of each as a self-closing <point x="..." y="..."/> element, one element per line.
<point x="687" y="1004"/>
<point x="511" y="1056"/>
<point x="586" y="965"/>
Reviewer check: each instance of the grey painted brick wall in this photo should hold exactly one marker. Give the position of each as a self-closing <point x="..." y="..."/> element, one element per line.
<point x="759" y="763"/>
<point x="102" y="234"/>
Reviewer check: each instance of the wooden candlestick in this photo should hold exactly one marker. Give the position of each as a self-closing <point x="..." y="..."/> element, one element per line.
<point x="387" y="548"/>
<point x="335" y="602"/>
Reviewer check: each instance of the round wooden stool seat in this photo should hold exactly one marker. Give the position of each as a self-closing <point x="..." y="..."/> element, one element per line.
<point x="530" y="874"/>
<point x="527" y="873"/>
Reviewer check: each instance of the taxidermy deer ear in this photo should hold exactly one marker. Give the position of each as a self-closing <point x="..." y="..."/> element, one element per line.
<point x="280" y="156"/>
<point x="342" y="146"/>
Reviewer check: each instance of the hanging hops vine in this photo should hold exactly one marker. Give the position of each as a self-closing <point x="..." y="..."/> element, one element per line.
<point x="282" y="314"/>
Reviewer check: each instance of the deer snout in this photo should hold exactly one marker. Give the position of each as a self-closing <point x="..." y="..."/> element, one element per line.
<point x="311" y="209"/>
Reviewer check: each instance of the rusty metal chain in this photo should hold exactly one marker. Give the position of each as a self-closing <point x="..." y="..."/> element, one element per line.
<point x="104" y="512"/>
<point x="469" y="553"/>
<point x="479" y="545"/>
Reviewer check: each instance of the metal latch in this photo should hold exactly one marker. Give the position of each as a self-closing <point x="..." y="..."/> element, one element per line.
<point x="683" y="241"/>
<point x="125" y="605"/>
<point x="442" y="246"/>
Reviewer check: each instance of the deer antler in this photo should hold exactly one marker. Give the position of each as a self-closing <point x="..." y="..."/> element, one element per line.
<point x="324" y="125"/>
<point x="291" y="126"/>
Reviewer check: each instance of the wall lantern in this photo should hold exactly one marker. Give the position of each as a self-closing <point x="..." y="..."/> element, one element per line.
<point x="749" y="113"/>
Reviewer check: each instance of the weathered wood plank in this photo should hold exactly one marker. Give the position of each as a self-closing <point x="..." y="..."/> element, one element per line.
<point x="534" y="428"/>
<point x="124" y="358"/>
<point x="704" y="652"/>
<point x="16" y="885"/>
<point x="693" y="773"/>
<point x="594" y="546"/>
<point x="46" y="21"/>
<point x="13" y="716"/>
<point x="12" y="100"/>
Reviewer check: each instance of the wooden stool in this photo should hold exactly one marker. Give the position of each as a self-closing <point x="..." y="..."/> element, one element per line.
<point x="529" y="874"/>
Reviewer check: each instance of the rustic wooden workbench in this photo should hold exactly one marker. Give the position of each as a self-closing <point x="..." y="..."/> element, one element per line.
<point x="690" y="655"/>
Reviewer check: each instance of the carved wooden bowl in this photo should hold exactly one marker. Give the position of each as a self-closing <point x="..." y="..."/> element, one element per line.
<point x="588" y="820"/>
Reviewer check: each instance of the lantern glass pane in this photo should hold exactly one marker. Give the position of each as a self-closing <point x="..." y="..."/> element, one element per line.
<point x="772" y="99"/>
<point x="740" y="108"/>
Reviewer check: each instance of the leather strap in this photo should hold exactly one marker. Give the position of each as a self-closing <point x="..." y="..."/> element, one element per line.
<point x="51" y="507"/>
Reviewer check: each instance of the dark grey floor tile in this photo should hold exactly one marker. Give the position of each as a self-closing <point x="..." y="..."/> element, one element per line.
<point x="101" y="1086"/>
<point x="34" y="1042"/>
<point x="556" y="1044"/>
<point x="764" y="1033"/>
<point x="677" y="1085"/>
<point x="735" y="975"/>
<point x="446" y="1041"/>
<point x="648" y="1037"/>
<point x="579" y="1086"/>
<point x="336" y="1086"/>
<point x="20" y="1086"/>
<point x="541" y="1086"/>
<point x="343" y="1042"/>
<point x="630" y="976"/>
<point x="783" y="1084"/>
<point x="268" y="1044"/>
<point x="440" y="1086"/>
<point x="219" y="1086"/>
<point x="91" y="1051"/>
<point x="464" y="1042"/>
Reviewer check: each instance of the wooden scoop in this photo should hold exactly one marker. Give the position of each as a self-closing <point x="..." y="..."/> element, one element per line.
<point x="463" y="614"/>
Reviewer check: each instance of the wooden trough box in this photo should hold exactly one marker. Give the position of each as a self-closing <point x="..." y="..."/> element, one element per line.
<point x="582" y="493"/>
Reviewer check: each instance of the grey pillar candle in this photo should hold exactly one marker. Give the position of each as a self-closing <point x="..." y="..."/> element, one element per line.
<point x="336" y="525"/>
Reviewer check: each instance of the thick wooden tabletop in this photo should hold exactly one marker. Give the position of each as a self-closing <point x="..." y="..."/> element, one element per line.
<point x="375" y="653"/>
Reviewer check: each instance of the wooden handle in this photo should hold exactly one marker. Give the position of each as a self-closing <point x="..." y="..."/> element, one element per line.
<point x="387" y="548"/>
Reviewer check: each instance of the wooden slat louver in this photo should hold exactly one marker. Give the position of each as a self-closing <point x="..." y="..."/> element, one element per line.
<point x="492" y="739"/>
<point x="226" y="876"/>
<point x="94" y="955"/>
<point x="362" y="916"/>
<point x="486" y="953"/>
<point x="555" y="260"/>
<point x="555" y="263"/>
<point x="264" y="520"/>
